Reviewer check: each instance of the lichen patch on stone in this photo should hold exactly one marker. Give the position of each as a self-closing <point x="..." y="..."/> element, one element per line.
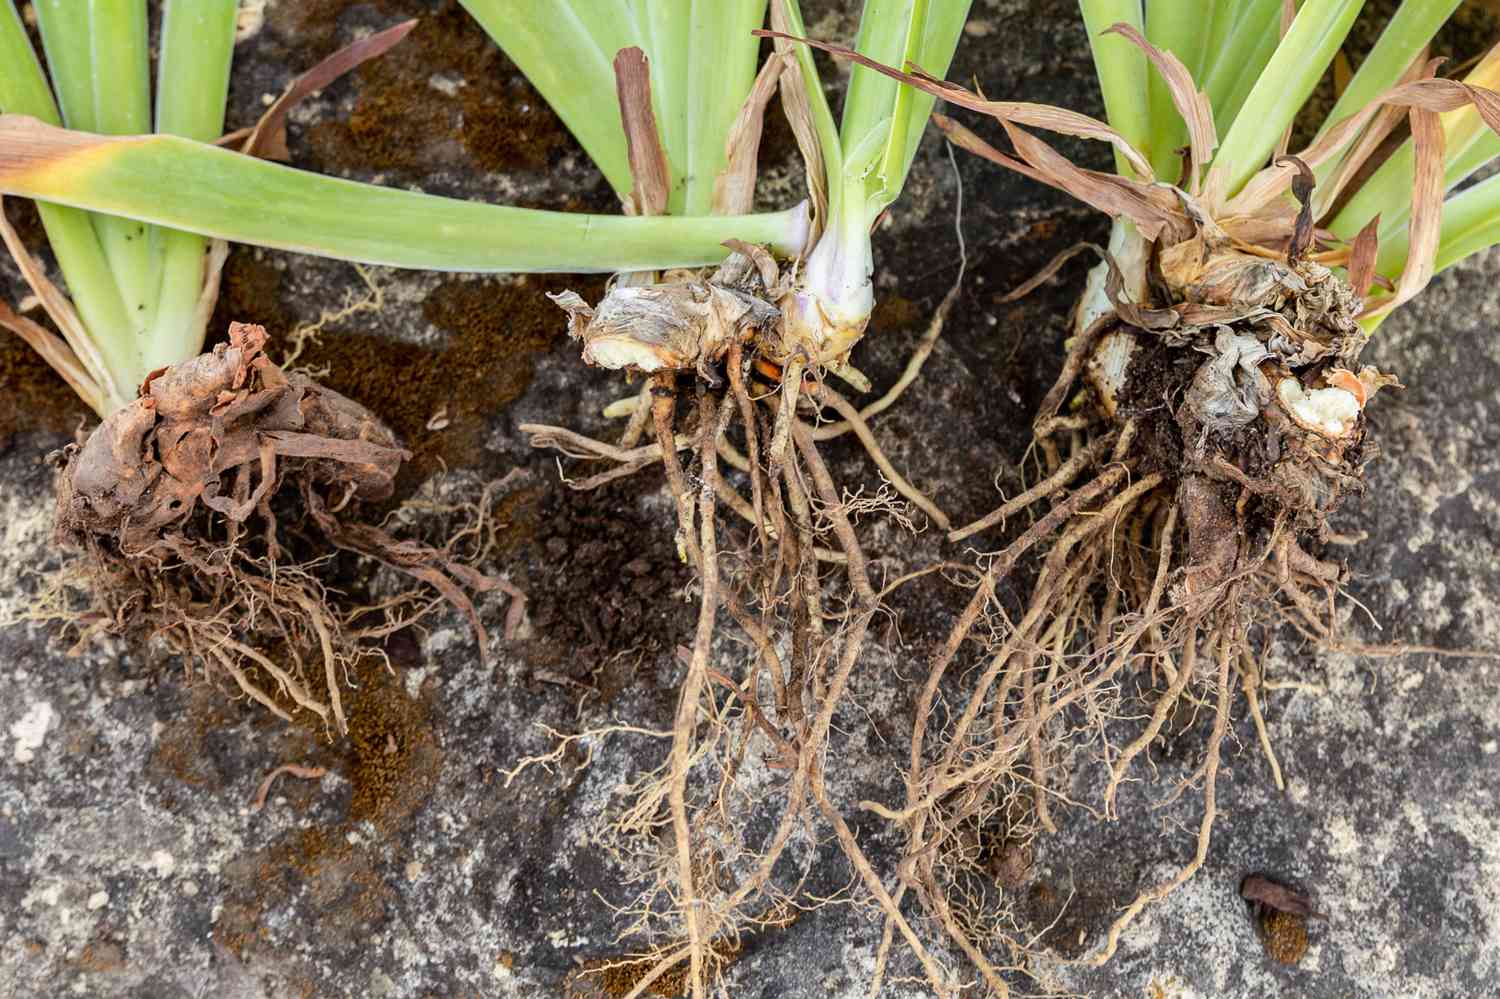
<point x="31" y="730"/>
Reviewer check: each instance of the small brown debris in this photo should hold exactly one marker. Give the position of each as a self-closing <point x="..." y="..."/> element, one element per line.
<point x="1259" y="889"/>
<point x="1284" y="935"/>
<point x="291" y="769"/>
<point x="1281" y="916"/>
<point x="102" y="956"/>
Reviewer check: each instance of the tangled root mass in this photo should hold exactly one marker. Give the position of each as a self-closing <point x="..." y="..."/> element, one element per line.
<point x="1182" y="492"/>
<point x="193" y="506"/>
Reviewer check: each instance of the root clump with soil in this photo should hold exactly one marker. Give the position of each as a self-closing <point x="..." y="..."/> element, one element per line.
<point x="771" y="537"/>
<point x="1181" y="490"/>
<point x="795" y="581"/>
<point x="199" y="505"/>
<point x="1188" y="458"/>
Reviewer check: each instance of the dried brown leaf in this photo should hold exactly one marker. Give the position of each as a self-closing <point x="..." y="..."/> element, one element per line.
<point x="291" y="444"/>
<point x="763" y="262"/>
<point x="1042" y="116"/>
<point x="734" y="188"/>
<point x="99" y="386"/>
<point x="208" y="294"/>
<point x="966" y="140"/>
<point x="1362" y="256"/>
<point x="1191" y="103"/>
<point x="1302" y="190"/>
<point x="1425" y="228"/>
<point x="1132" y="312"/>
<point x="1259" y="888"/>
<point x="651" y="177"/>
<point x="55" y="352"/>
<point x="1052" y="266"/>
<point x="1110" y="193"/>
<point x="1357" y="163"/>
<point x="1288" y="15"/>
<point x="799" y="115"/>
<point x="1066" y="122"/>
<point x="1448" y="95"/>
<point x="1267" y="229"/>
<point x="267" y="139"/>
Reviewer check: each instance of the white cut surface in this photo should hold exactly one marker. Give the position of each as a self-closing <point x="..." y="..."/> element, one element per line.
<point x="617" y="352"/>
<point x="1330" y="411"/>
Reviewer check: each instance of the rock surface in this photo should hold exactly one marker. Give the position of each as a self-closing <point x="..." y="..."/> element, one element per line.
<point x="132" y="862"/>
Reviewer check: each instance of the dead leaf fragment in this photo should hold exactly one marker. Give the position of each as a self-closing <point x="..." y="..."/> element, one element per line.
<point x="291" y="769"/>
<point x="651" y="177"/>
<point x="1261" y="889"/>
<point x="267" y="139"/>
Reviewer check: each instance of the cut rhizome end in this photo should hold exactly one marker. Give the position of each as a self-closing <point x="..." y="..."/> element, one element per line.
<point x="205" y="509"/>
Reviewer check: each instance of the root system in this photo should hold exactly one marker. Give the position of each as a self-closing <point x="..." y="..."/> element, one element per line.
<point x="1189" y="458"/>
<point x="795" y="581"/>
<point x="202" y="508"/>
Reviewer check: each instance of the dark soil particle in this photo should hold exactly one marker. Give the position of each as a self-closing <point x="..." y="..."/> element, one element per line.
<point x="393" y="756"/>
<point x="1068" y="918"/>
<point x="182" y="755"/>
<point x="33" y="397"/>
<point x="604" y="587"/>
<point x="250" y="291"/>
<point x="1155" y="381"/>
<point x="895" y="314"/>
<point x="27" y="221"/>
<point x="391" y="760"/>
